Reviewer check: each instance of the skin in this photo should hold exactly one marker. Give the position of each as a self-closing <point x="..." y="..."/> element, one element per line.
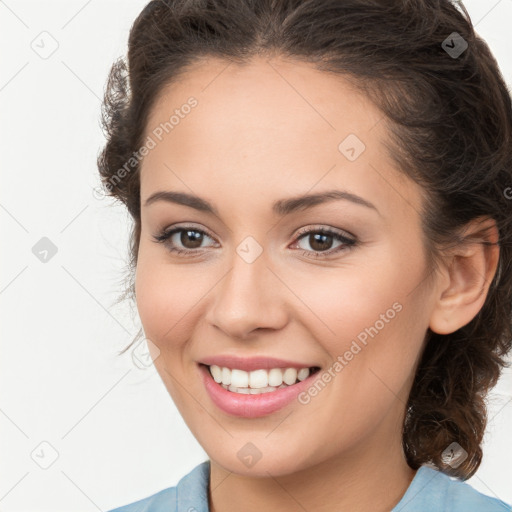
<point x="260" y="133"/>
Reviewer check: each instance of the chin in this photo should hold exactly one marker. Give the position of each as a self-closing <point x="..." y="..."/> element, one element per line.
<point x="260" y="459"/>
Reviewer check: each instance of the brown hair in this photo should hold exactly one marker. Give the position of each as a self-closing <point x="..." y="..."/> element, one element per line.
<point x="450" y="123"/>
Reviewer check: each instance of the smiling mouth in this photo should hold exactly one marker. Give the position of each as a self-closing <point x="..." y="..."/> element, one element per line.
<point x="258" y="381"/>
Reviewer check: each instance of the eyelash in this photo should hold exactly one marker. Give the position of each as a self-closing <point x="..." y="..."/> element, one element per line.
<point x="347" y="243"/>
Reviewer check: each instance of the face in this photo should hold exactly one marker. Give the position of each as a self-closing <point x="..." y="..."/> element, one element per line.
<point x="337" y="283"/>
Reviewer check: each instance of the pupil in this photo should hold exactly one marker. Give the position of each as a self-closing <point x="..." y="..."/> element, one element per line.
<point x="319" y="239"/>
<point x="193" y="237"/>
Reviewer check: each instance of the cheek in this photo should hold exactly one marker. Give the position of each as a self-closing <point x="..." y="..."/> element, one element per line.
<point x="168" y="301"/>
<point x="364" y="324"/>
<point x="168" y="297"/>
<point x="371" y="319"/>
<point x="343" y="303"/>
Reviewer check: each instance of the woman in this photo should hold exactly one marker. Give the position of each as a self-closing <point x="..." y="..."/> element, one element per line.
<point x="321" y="245"/>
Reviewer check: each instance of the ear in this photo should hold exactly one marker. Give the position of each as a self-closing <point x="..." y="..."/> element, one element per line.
<point x="469" y="271"/>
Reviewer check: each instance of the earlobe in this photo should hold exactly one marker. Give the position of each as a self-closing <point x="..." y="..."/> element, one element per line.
<point x="470" y="269"/>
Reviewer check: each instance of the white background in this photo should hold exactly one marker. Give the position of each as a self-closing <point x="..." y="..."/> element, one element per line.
<point x="117" y="433"/>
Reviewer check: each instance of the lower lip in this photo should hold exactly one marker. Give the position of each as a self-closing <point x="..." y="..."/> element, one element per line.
<point x="252" y="406"/>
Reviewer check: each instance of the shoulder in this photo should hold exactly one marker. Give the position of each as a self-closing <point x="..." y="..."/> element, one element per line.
<point x="432" y="490"/>
<point x="190" y="493"/>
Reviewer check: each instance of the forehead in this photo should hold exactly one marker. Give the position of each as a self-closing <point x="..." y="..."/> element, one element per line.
<point x="285" y="95"/>
<point x="270" y="124"/>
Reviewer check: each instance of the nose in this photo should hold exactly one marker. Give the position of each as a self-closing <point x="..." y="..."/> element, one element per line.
<point x="250" y="297"/>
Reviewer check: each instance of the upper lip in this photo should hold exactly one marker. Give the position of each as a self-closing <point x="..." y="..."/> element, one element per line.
<point x="252" y="363"/>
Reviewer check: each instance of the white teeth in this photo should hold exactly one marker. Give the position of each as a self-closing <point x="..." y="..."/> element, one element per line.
<point x="275" y="377"/>
<point x="238" y="390"/>
<point x="216" y="373"/>
<point x="257" y="381"/>
<point x="290" y="376"/>
<point x="226" y="376"/>
<point x="250" y="391"/>
<point x="303" y="373"/>
<point x="239" y="378"/>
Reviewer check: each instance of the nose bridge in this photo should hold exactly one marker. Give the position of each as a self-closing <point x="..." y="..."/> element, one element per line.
<point x="250" y="296"/>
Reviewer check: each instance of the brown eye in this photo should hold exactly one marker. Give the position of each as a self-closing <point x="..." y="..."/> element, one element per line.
<point x="321" y="241"/>
<point x="192" y="237"/>
<point x="182" y="240"/>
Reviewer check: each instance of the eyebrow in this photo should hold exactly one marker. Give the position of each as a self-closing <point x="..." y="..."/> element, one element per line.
<point x="282" y="207"/>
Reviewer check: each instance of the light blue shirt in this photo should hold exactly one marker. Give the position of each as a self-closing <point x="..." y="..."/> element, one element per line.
<point x="429" y="491"/>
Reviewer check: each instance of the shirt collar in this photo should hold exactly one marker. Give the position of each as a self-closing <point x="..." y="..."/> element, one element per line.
<point x="192" y="490"/>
